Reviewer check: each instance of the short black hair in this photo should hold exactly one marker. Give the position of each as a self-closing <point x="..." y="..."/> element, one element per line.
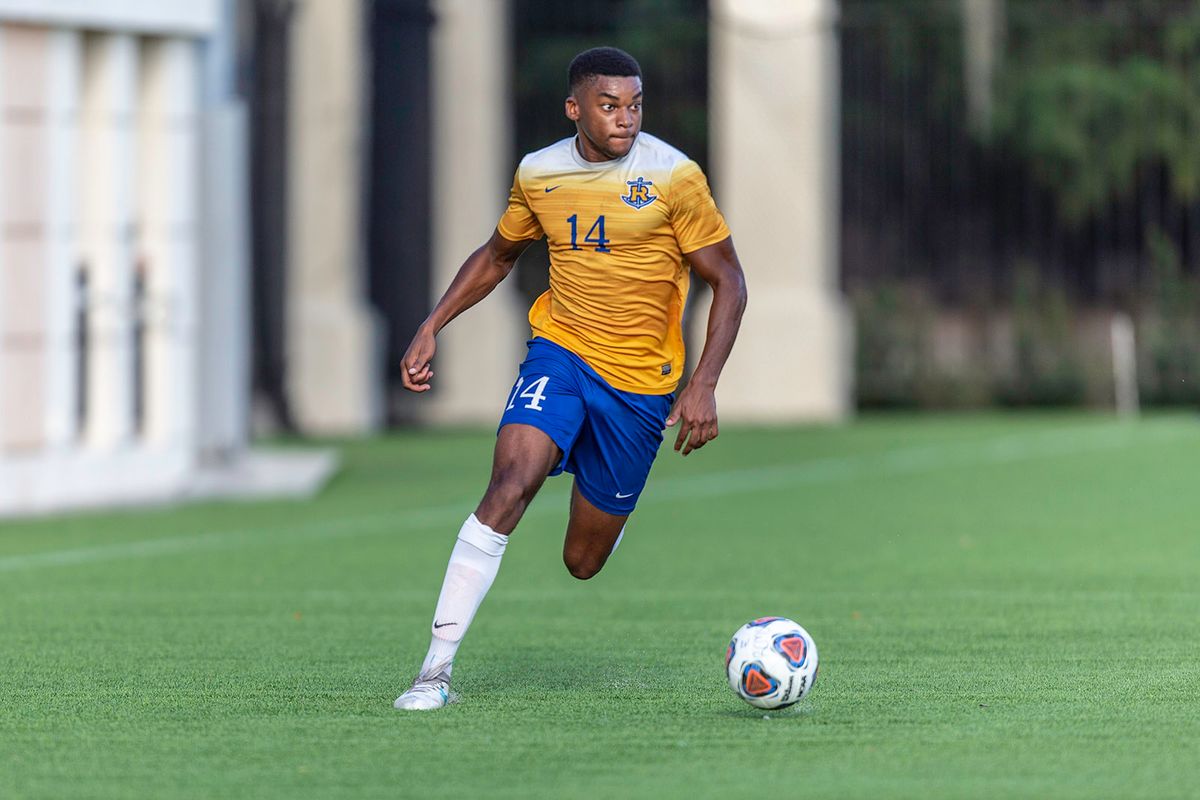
<point x="601" y="61"/>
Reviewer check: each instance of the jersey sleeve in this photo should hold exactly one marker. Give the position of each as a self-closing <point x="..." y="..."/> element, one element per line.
<point x="694" y="216"/>
<point x="518" y="222"/>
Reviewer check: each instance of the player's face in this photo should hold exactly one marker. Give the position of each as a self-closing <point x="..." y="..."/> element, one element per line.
<point x="607" y="111"/>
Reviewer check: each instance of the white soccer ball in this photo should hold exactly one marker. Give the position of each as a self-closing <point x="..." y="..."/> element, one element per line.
<point x="771" y="662"/>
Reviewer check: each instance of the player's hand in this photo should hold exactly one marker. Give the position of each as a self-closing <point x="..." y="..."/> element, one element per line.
<point x="416" y="366"/>
<point x="696" y="411"/>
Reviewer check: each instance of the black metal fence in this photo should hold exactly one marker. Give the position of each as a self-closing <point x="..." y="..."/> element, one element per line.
<point x="1014" y="173"/>
<point x="264" y="55"/>
<point x="399" y="175"/>
<point x="1011" y="169"/>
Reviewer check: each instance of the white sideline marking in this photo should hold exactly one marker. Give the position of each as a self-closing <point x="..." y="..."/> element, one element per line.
<point x="216" y="540"/>
<point x="923" y="458"/>
<point x="908" y="460"/>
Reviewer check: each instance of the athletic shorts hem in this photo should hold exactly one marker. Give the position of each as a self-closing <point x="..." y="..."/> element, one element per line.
<point x="608" y="507"/>
<point x="557" y="437"/>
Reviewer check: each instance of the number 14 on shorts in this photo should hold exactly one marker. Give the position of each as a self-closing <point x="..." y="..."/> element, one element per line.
<point x="535" y="392"/>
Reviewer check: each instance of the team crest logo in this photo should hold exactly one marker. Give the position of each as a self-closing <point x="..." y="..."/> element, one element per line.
<point x="639" y="193"/>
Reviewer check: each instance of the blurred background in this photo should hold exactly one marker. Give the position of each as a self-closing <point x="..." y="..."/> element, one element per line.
<point x="222" y="220"/>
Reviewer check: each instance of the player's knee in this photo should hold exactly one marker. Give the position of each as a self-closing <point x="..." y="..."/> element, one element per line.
<point x="582" y="567"/>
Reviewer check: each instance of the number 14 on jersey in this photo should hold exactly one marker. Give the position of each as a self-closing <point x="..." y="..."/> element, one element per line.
<point x="595" y="234"/>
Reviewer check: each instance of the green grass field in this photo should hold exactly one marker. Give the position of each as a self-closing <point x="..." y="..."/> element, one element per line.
<point x="1004" y="606"/>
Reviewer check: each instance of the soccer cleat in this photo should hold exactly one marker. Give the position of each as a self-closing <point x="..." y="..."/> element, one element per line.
<point x="430" y="690"/>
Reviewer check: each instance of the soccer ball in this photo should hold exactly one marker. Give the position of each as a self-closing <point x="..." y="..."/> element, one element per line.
<point x="771" y="662"/>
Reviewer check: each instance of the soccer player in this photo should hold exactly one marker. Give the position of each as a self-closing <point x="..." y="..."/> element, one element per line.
<point x="625" y="215"/>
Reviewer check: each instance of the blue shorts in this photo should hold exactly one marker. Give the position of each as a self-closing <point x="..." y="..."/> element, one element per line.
<point x="608" y="438"/>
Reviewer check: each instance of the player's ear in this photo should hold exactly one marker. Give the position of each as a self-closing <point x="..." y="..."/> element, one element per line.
<point x="571" y="108"/>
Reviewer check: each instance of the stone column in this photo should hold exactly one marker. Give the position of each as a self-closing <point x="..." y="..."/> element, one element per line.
<point x="25" y="160"/>
<point x="168" y="131"/>
<point x="473" y="165"/>
<point x="334" y="374"/>
<point x="62" y="327"/>
<point x="109" y="180"/>
<point x="224" y="313"/>
<point x="775" y="149"/>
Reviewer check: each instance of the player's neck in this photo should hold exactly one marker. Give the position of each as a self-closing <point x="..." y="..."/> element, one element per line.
<point x="588" y="152"/>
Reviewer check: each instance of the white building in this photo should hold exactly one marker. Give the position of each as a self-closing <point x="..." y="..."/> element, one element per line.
<point x="123" y="325"/>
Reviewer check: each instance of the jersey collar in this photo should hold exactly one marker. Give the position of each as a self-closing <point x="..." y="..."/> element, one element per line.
<point x="597" y="165"/>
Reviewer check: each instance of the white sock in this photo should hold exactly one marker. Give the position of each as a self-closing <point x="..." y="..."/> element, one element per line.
<point x="474" y="563"/>
<point x="617" y="543"/>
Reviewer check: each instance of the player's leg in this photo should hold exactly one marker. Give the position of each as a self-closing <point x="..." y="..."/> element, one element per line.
<point x="523" y="459"/>
<point x="539" y="426"/>
<point x="592" y="536"/>
<point x="524" y="456"/>
<point x="611" y="460"/>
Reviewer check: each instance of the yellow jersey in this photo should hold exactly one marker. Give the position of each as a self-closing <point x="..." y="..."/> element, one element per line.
<point x="618" y="231"/>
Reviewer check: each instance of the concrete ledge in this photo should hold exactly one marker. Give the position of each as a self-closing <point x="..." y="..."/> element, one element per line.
<point x="260" y="474"/>
<point x="55" y="482"/>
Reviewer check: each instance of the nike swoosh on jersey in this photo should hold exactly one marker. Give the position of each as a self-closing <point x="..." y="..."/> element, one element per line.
<point x="623" y="496"/>
<point x="550" y="189"/>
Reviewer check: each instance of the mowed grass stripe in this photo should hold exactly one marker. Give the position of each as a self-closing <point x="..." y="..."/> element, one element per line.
<point x="922" y="458"/>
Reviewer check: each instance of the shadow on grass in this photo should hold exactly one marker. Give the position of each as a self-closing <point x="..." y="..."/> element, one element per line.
<point x="795" y="713"/>
<point x="607" y="683"/>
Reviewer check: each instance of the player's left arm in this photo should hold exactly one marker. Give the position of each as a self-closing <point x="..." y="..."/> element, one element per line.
<point x="696" y="407"/>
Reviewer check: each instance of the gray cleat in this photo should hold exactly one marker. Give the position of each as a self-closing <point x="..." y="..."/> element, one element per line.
<point x="430" y="690"/>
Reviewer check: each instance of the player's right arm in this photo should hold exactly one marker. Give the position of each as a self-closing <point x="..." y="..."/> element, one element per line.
<point x="479" y="275"/>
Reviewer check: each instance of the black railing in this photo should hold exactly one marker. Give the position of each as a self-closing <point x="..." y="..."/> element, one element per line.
<point x="1018" y="163"/>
